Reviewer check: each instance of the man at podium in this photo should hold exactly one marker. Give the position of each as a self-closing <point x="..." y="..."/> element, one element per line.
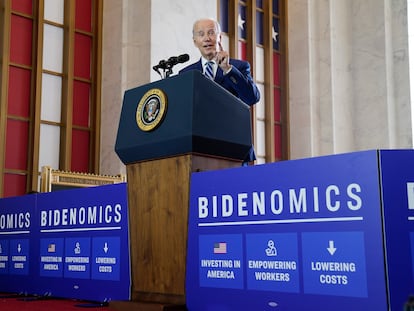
<point x="232" y="74"/>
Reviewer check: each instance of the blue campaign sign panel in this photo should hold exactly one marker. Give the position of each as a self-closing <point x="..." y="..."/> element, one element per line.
<point x="20" y="256"/>
<point x="288" y="236"/>
<point x="220" y="261"/>
<point x="272" y="262"/>
<point x="106" y="256"/>
<point x="78" y="257"/>
<point x="4" y="256"/>
<point x="397" y="178"/>
<point x="68" y="243"/>
<point x="51" y="257"/>
<point x="17" y="249"/>
<point x="88" y="228"/>
<point x="339" y="252"/>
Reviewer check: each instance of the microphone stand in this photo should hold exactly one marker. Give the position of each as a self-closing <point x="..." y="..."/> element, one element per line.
<point x="167" y="69"/>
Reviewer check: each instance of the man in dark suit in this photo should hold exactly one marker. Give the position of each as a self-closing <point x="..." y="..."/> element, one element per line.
<point x="232" y="74"/>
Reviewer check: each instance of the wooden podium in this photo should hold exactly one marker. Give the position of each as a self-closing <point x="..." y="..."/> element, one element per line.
<point x="168" y="130"/>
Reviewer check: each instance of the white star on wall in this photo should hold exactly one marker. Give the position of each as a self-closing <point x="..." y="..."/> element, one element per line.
<point x="274" y="34"/>
<point x="240" y="22"/>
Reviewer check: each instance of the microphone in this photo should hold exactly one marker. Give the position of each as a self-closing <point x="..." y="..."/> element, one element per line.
<point x="174" y="60"/>
<point x="178" y="59"/>
<point x="167" y="65"/>
<point x="161" y="65"/>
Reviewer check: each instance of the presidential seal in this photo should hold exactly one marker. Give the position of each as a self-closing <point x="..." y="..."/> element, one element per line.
<point x="151" y="109"/>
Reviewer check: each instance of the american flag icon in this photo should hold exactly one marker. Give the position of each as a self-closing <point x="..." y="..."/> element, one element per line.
<point x="51" y="248"/>
<point x="220" y="248"/>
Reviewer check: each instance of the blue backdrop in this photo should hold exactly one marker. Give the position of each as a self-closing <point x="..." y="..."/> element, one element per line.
<point x="68" y="243"/>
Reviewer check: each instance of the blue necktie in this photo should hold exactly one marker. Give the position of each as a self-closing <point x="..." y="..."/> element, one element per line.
<point x="209" y="70"/>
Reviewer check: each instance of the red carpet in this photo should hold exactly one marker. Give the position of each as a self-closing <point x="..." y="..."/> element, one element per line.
<point x="19" y="304"/>
<point x="12" y="302"/>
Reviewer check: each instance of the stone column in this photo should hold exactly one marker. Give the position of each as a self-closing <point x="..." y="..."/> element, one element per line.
<point x="348" y="76"/>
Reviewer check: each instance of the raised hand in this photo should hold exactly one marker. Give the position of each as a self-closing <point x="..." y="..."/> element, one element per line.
<point x="222" y="58"/>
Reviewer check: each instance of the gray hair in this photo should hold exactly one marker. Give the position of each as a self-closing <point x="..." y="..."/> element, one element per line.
<point x="216" y="23"/>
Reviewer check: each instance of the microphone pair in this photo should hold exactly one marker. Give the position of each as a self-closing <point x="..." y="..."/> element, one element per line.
<point x="172" y="61"/>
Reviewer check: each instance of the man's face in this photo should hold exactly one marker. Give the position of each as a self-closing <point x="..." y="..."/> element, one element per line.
<point x="206" y="38"/>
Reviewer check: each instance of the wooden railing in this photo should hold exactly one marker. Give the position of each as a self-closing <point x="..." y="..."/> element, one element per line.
<point x="52" y="179"/>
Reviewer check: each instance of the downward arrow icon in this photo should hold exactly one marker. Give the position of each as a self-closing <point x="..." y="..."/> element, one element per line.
<point x="331" y="249"/>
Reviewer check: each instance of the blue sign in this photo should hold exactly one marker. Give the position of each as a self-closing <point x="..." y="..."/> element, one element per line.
<point x="4" y="256"/>
<point x="220" y="261"/>
<point x="303" y="234"/>
<point x="106" y="254"/>
<point x="20" y="256"/>
<point x="78" y="258"/>
<point x="397" y="181"/>
<point x="18" y="259"/>
<point x="67" y="244"/>
<point x="272" y="262"/>
<point x="334" y="264"/>
<point x="51" y="257"/>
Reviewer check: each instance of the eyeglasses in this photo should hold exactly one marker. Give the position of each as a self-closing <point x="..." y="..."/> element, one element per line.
<point x="210" y="33"/>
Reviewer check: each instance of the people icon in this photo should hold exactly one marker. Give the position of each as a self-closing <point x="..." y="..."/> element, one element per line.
<point x="77" y="249"/>
<point x="271" y="249"/>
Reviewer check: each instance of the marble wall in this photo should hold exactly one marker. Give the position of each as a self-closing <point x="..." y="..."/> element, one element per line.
<point x="410" y="4"/>
<point x="348" y="76"/>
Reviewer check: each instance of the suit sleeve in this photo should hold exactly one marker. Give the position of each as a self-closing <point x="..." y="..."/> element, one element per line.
<point x="240" y="80"/>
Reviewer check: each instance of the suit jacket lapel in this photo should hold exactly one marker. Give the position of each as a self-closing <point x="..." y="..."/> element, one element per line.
<point x="199" y="65"/>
